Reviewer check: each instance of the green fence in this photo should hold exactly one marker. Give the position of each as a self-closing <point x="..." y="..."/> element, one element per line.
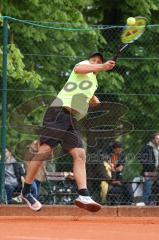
<point x="39" y="57"/>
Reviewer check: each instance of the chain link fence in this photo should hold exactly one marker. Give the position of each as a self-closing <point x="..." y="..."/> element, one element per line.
<point x="40" y="58"/>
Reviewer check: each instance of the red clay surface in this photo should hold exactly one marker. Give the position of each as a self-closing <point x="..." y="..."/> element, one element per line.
<point x="50" y="228"/>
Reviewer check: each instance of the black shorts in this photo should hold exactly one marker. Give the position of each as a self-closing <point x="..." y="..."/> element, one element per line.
<point x="60" y="126"/>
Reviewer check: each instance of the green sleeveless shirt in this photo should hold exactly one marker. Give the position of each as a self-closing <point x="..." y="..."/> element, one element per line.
<point x="77" y="92"/>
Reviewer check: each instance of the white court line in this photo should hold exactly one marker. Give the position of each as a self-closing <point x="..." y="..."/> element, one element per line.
<point x="40" y="238"/>
<point x="30" y="238"/>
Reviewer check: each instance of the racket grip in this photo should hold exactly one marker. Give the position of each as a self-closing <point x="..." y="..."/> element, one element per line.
<point x="120" y="52"/>
<point x="115" y="58"/>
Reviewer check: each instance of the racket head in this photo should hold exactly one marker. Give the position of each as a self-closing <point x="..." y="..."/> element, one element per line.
<point x="132" y="33"/>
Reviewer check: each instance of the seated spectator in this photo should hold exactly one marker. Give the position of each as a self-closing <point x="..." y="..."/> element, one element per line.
<point x="42" y="174"/>
<point x="96" y="171"/>
<point x="118" y="191"/>
<point x="13" y="176"/>
<point x="149" y="158"/>
<point x="105" y="184"/>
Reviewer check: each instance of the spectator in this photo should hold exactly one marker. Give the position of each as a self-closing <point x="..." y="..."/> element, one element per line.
<point x="119" y="191"/>
<point x="42" y="174"/>
<point x="13" y="176"/>
<point x="149" y="158"/>
<point x="105" y="184"/>
<point x="96" y="171"/>
<point x="27" y="156"/>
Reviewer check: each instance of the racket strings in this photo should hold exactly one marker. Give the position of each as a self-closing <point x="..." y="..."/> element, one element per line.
<point x="132" y="33"/>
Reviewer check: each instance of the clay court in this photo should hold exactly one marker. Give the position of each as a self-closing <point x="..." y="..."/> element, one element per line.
<point x="70" y="223"/>
<point x="23" y="228"/>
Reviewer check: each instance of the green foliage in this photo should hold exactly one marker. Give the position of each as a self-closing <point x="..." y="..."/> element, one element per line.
<point x="116" y="12"/>
<point x="16" y="68"/>
<point x="34" y="66"/>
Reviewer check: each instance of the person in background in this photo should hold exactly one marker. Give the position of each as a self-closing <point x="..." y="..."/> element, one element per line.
<point x="43" y="174"/>
<point x="149" y="158"/>
<point x="114" y="163"/>
<point x="14" y="173"/>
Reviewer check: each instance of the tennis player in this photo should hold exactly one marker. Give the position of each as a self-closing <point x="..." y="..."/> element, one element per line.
<point x="60" y="126"/>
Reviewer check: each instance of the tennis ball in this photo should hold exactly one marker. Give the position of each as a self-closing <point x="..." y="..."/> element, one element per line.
<point x="131" y="21"/>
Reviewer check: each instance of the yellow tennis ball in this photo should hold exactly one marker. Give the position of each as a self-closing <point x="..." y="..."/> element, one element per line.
<point x="131" y="21"/>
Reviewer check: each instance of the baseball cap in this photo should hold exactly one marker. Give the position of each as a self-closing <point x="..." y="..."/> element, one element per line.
<point x="99" y="54"/>
<point x="117" y="145"/>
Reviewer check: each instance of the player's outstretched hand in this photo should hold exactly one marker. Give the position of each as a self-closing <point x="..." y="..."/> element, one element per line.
<point x="109" y="65"/>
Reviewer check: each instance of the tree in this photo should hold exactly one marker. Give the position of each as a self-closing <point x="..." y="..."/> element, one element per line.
<point x="41" y="52"/>
<point x="137" y="83"/>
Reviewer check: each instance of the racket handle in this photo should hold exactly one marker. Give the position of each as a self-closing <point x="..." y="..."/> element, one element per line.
<point x="119" y="52"/>
<point x="115" y="58"/>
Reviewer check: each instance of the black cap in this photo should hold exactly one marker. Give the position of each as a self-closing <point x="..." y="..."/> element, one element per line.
<point x="117" y="145"/>
<point x="97" y="54"/>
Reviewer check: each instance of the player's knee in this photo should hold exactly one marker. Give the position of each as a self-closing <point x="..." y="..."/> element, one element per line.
<point x="82" y="157"/>
<point x="45" y="151"/>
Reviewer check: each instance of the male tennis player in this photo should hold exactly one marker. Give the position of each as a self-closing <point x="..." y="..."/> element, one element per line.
<point x="59" y="126"/>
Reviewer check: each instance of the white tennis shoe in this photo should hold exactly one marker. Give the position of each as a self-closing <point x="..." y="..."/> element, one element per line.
<point x="32" y="202"/>
<point x="86" y="202"/>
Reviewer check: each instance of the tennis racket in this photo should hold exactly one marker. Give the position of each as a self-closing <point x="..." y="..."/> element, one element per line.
<point x="131" y="34"/>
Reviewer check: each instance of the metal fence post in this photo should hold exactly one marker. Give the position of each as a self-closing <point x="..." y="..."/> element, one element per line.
<point x="4" y="109"/>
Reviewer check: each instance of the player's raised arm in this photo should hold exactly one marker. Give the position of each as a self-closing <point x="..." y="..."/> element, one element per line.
<point x="94" y="67"/>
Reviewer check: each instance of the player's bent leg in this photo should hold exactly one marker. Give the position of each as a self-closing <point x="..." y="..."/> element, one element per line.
<point x="79" y="169"/>
<point x="43" y="153"/>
